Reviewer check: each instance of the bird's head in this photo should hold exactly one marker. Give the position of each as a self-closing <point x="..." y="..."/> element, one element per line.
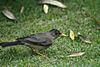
<point x="56" y="33"/>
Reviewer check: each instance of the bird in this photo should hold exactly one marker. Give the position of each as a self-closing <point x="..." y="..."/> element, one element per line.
<point x="37" y="41"/>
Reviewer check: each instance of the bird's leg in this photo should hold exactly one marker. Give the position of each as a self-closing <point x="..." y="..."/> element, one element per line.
<point x="0" y="48"/>
<point x="40" y="54"/>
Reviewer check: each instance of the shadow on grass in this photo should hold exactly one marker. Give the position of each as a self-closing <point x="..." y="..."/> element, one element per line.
<point x="14" y="53"/>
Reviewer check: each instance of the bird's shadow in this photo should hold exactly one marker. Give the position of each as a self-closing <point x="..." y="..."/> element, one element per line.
<point x="9" y="54"/>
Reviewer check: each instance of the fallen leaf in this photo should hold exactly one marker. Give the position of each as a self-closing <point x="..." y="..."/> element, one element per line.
<point x="91" y="15"/>
<point x="8" y="14"/>
<point x="87" y="41"/>
<point x="76" y="54"/>
<point x="98" y="22"/>
<point x="98" y="27"/>
<point x="72" y="36"/>
<point x="83" y="38"/>
<point x="45" y="8"/>
<point x="22" y="9"/>
<point x="53" y="2"/>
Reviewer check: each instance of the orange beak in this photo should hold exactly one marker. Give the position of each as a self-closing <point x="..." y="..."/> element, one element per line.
<point x="62" y="34"/>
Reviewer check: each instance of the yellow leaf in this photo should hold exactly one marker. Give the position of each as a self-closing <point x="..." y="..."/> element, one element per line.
<point x="72" y="36"/>
<point x="45" y="8"/>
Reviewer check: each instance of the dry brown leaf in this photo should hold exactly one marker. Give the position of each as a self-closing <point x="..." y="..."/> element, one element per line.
<point x="22" y="9"/>
<point x="87" y="41"/>
<point x="76" y="54"/>
<point x="72" y="36"/>
<point x="8" y="14"/>
<point x="53" y="2"/>
<point x="83" y="38"/>
<point x="45" y="8"/>
<point x="98" y="27"/>
<point x="98" y="22"/>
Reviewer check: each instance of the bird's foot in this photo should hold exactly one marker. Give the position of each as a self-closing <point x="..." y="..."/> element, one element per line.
<point x="40" y="54"/>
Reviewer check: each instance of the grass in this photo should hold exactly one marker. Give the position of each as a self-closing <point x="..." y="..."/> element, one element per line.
<point x="33" y="20"/>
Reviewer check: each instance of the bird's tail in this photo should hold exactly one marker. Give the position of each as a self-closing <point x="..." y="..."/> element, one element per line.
<point x="6" y="44"/>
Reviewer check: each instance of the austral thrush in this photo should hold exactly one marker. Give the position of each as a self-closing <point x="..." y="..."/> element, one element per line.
<point x="36" y="41"/>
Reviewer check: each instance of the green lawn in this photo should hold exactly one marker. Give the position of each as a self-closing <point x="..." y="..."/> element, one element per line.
<point x="33" y="20"/>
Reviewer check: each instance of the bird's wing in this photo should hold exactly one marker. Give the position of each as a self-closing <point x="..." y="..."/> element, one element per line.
<point x="24" y="37"/>
<point x="40" y="39"/>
